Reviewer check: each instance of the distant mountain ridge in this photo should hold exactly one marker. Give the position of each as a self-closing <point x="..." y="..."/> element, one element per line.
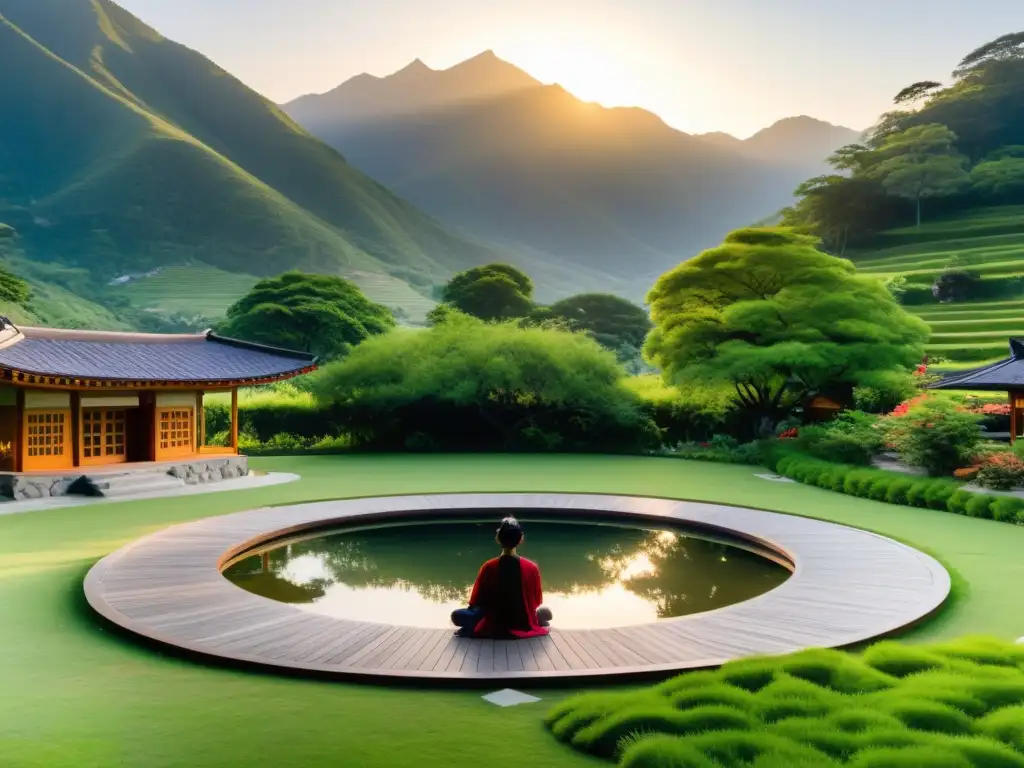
<point x="414" y="88"/>
<point x="532" y="167"/>
<point x="800" y="140"/>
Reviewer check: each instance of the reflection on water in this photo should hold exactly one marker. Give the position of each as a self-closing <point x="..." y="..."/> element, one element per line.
<point x="594" y="575"/>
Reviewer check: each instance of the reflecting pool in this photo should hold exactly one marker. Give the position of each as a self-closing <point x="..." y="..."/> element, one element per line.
<point x="594" y="574"/>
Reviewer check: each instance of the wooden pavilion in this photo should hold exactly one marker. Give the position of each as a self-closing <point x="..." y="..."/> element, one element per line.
<point x="1006" y="376"/>
<point x="95" y="399"/>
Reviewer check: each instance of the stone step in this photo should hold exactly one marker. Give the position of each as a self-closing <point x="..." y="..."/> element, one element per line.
<point x="130" y="484"/>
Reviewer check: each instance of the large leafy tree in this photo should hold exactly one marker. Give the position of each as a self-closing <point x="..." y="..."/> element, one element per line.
<point x="777" y="320"/>
<point x="921" y="162"/>
<point x="490" y="292"/>
<point x="320" y="314"/>
<point x="613" y="321"/>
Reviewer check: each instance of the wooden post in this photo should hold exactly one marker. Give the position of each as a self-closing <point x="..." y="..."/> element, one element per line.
<point x="200" y="423"/>
<point x="1013" y="417"/>
<point x="76" y="429"/>
<point x="18" y="449"/>
<point x="234" y="420"/>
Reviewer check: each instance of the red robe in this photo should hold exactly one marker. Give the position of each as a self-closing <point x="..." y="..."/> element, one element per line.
<point x="532" y="597"/>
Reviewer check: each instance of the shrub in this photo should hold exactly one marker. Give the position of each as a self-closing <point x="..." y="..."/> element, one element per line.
<point x="935" y="435"/>
<point x="1001" y="472"/>
<point x="1008" y="509"/>
<point x="468" y="385"/>
<point x="979" y="506"/>
<point x="957" y="503"/>
<point x="684" y="414"/>
<point x="938" y="494"/>
<point x="898" y="490"/>
<point x="916" y="493"/>
<point x="850" y="438"/>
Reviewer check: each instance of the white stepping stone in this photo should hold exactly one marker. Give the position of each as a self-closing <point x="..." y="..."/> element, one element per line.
<point x="774" y="478"/>
<point x="509" y="698"/>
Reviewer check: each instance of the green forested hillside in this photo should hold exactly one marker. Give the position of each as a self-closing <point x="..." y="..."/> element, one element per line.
<point x="932" y="198"/>
<point x="130" y="152"/>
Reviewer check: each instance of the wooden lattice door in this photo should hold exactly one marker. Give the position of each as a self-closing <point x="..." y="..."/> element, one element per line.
<point x="47" y="440"/>
<point x="176" y="435"/>
<point x="103" y="436"/>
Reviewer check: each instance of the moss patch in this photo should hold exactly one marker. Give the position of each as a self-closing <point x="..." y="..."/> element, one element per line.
<point x="954" y="705"/>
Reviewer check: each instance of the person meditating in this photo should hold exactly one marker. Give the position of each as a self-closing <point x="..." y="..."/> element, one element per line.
<point x="506" y="599"/>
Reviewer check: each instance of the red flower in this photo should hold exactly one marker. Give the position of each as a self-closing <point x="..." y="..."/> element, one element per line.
<point x="789" y="434"/>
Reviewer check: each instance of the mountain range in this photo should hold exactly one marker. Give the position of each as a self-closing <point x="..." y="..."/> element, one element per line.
<point x="136" y="168"/>
<point x="488" y="148"/>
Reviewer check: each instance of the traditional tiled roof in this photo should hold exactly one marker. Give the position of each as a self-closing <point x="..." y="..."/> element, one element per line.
<point x="143" y="357"/>
<point x="1004" y="375"/>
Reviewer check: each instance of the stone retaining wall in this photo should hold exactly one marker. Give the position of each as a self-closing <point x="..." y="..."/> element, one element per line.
<point x="19" y="487"/>
<point x="210" y="470"/>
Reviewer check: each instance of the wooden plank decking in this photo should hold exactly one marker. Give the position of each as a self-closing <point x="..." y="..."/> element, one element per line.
<point x="847" y="586"/>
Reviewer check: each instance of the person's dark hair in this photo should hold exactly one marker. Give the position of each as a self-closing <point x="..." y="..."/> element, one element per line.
<point x="510" y="533"/>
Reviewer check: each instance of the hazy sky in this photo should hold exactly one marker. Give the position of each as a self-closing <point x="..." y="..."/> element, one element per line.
<point x="703" y="65"/>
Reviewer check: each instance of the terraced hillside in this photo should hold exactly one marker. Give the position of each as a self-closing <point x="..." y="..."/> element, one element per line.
<point x="988" y="243"/>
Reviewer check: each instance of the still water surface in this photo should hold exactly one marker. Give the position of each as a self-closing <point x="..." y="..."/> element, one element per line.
<point x="594" y="574"/>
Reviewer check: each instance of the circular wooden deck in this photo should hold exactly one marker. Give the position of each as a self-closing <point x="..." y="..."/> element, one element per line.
<point x="847" y="586"/>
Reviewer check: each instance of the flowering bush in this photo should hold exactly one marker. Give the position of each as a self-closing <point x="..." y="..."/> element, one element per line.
<point x="992" y="409"/>
<point x="966" y="473"/>
<point x="1001" y="471"/>
<point x="934" y="435"/>
<point x="790" y="434"/>
<point x="903" y="408"/>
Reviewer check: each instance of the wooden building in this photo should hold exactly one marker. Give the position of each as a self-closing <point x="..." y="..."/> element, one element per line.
<point x="72" y="399"/>
<point x="1003" y="376"/>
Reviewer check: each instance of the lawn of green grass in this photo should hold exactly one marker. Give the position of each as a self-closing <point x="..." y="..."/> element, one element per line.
<point x="78" y="696"/>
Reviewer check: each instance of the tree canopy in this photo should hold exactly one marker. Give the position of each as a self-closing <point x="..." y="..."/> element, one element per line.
<point x="1001" y="179"/>
<point x="7" y="231"/>
<point x="920" y="162"/>
<point x="320" y="314"/>
<point x="473" y="385"/>
<point x="613" y="321"/>
<point x="778" y="320"/>
<point x="940" y="142"/>
<point x="490" y="292"/>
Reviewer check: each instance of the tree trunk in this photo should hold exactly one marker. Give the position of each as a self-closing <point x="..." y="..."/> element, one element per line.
<point x="919" y="212"/>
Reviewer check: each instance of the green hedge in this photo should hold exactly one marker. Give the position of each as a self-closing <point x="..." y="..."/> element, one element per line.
<point x="896" y="488"/>
<point x="264" y="419"/>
